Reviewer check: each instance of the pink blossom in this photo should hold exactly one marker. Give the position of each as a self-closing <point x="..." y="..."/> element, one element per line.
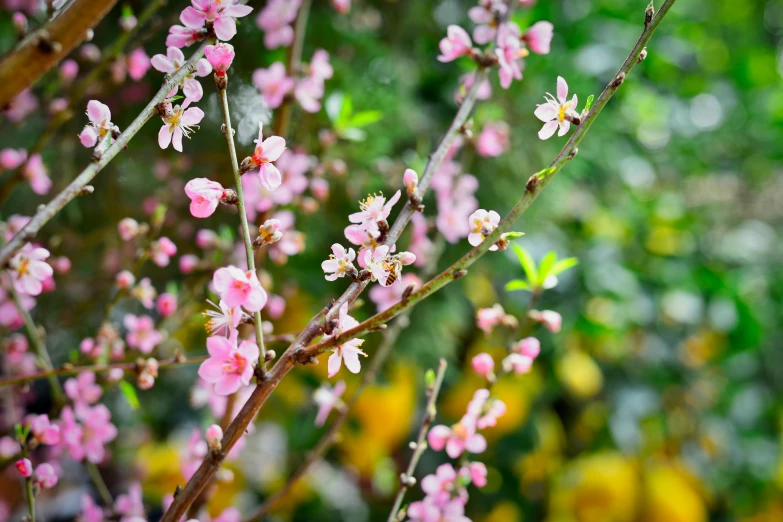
<point x="181" y="36"/>
<point x="375" y="262"/>
<point x="440" y="485"/>
<point x="178" y="124"/>
<point x="482" y="224"/>
<point x="486" y="416"/>
<point x="348" y="351"/>
<point x="138" y="64"/>
<point x="29" y="269"/>
<point x="205" y="195"/>
<point x="509" y="52"/>
<point x="550" y="319"/>
<point x="220" y="14"/>
<point x="45" y="476"/>
<point x="488" y="318"/>
<point x="308" y="92"/>
<point x="267" y="151"/>
<point x="167" y="304"/>
<point x="142" y="333"/>
<point x="320" y="68"/>
<point x="162" y="250"/>
<point x="24" y="467"/>
<point x="214" y="436"/>
<point x="466" y="82"/>
<point x="427" y="510"/>
<point x="21" y="106"/>
<point x="44" y="432"/>
<point x="12" y="158"/>
<point x="229" y="366"/>
<point x="493" y="140"/>
<point x="35" y="172"/>
<point x="83" y="389"/>
<point x="130" y="504"/>
<point x="145" y="293"/>
<point x="275" y="20"/>
<point x="420" y="244"/>
<point x="220" y="57"/>
<point x="238" y="288"/>
<point x="340" y="263"/>
<point x="61" y="264"/>
<point x="194" y="453"/>
<point x="483" y="364"/>
<point x="188" y="263"/>
<point x="273" y="83"/>
<point x="556" y="111"/>
<point x="128" y="228"/>
<point x="100" y="124"/>
<point x="206" y="238"/>
<point x="275" y="307"/>
<point x="388" y="296"/>
<point x="341" y="6"/>
<point x="328" y="398"/>
<point x="476" y="472"/>
<point x="457" y="43"/>
<point x="485" y="16"/>
<point x="69" y="69"/>
<point x="87" y="437"/>
<point x="539" y="37"/>
<point x="374" y="208"/>
<point x="458" y="438"/>
<point x="9" y="447"/>
<point x="517" y="363"/>
<point x="125" y="280"/>
<point x="172" y="62"/>
<point x="529" y="346"/>
<point x="90" y="512"/>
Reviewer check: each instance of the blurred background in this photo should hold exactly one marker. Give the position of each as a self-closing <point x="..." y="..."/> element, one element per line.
<point x="661" y="399"/>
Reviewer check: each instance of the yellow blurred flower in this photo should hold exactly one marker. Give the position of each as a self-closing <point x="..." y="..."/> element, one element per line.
<point x="536" y="467"/>
<point x="580" y="374"/>
<point x="671" y="494"/>
<point x="505" y="511"/>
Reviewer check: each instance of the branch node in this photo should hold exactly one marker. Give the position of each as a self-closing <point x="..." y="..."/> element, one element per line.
<point x="649" y="13"/>
<point x="460" y="274"/>
<point x="532" y="183"/>
<point x="86" y="190"/>
<point x="573" y="153"/>
<point x="643" y="55"/>
<point x="618" y="80"/>
<point x="46" y="44"/>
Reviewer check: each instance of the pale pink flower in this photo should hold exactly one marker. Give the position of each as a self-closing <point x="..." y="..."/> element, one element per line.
<point x="188" y="263"/>
<point x="486" y="416"/>
<point x="162" y="250"/>
<point x="457" y="43"/>
<point x="24" y="467"/>
<point x="476" y="472"/>
<point x="125" y="280"/>
<point x="509" y="52"/>
<point x="230" y="514"/>
<point x="466" y="82"/>
<point x="167" y="304"/>
<point x="549" y="318"/>
<point x="138" y="64"/>
<point x="145" y="293"/>
<point x="238" y="288"/>
<point x="539" y="37"/>
<point x="340" y="263"/>
<point x="348" y="351"/>
<point x="194" y="452"/>
<point x="28" y="269"/>
<point x="493" y="140"/>
<point x="308" y="92"/>
<point x="517" y="363"/>
<point x="82" y="389"/>
<point x="130" y="504"/>
<point x="529" y="346"/>
<point x="229" y="366"/>
<point x="69" y="69"/>
<point x="220" y="13"/>
<point x="220" y="57"/>
<point x="21" y="106"/>
<point x="223" y="319"/>
<point x="142" y="333"/>
<point x="483" y="364"/>
<point x="87" y="437"/>
<point x="9" y="447"/>
<point x="267" y="151"/>
<point x="482" y="224"/>
<point x="275" y="20"/>
<point x="485" y="16"/>
<point x="428" y="510"/>
<point x="341" y="6"/>
<point x="328" y="398"/>
<point x="172" y="62"/>
<point x="35" y="172"/>
<point x="488" y="318"/>
<point x="43" y="430"/>
<point x="555" y="111"/>
<point x="12" y="158"/>
<point x="440" y="485"/>
<point x="128" y="228"/>
<point x="420" y="244"/>
<point x="373" y="209"/>
<point x="100" y="124"/>
<point x="320" y="68"/>
<point x="179" y="124"/>
<point x="388" y="296"/>
<point x="458" y="438"/>
<point x="181" y="36"/>
<point x="90" y="511"/>
<point x="273" y="83"/>
<point x="374" y="262"/>
<point x="205" y="195"/>
<point x="45" y="476"/>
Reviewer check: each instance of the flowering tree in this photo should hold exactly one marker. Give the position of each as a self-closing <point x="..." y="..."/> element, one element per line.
<point x="240" y="370"/>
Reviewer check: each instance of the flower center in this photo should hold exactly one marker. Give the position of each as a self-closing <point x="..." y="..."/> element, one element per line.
<point x="235" y="364"/>
<point x="460" y="431"/>
<point x="24" y="266"/>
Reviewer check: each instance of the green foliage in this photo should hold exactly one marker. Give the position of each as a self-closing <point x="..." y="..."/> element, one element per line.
<point x="549" y="267"/>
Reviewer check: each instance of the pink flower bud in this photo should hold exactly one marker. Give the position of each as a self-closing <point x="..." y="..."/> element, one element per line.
<point x="188" y="263"/>
<point x="24" y="467"/>
<point x="214" y="436"/>
<point x="341" y="6"/>
<point x="167" y="246"/>
<point x="220" y="57"/>
<point x="125" y="280"/>
<point x="410" y="179"/>
<point x="320" y="188"/>
<point x="45" y="476"/>
<point x="529" y="346"/>
<point x="128" y="228"/>
<point x="145" y="381"/>
<point x="483" y="364"/>
<point x="206" y="238"/>
<point x="167" y="304"/>
<point x="69" y="69"/>
<point x="61" y="265"/>
<point x="517" y="363"/>
<point x="20" y="22"/>
<point x="12" y="158"/>
<point x="406" y="258"/>
<point x="551" y="320"/>
<point x="115" y="375"/>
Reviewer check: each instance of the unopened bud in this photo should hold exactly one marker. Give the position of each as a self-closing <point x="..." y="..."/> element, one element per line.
<point x="643" y="55"/>
<point x="411" y="180"/>
<point x="214" y="436"/>
<point x="270" y="355"/>
<point x="268" y="233"/>
<point x="20" y="22"/>
<point x="648" y="14"/>
<point x="125" y="280"/>
<point x="145" y="381"/>
<point x="406" y="258"/>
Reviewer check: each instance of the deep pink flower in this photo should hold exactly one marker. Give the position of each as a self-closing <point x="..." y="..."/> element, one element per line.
<point x="482" y="224"/>
<point x="142" y="333"/>
<point x="29" y="269"/>
<point x="529" y="346"/>
<point x="273" y="83"/>
<point x="348" y="351"/>
<point x="167" y="304"/>
<point x="82" y="389"/>
<point x="220" y="57"/>
<point x="275" y="20"/>
<point x="181" y="36"/>
<point x="24" y="467"/>
<point x="267" y="151"/>
<point x="229" y="366"/>
<point x="483" y="364"/>
<point x="340" y="263"/>
<point x="205" y="195"/>
<point x="35" y="172"/>
<point x="457" y="43"/>
<point x="327" y="398"/>
<point x="539" y="37"/>
<point x="172" y="62"/>
<point x="238" y="288"/>
<point x="555" y="111"/>
<point x="87" y="437"/>
<point x="45" y="476"/>
<point x="12" y="158"/>
<point x="493" y="140"/>
<point x="179" y="124"/>
<point x="138" y="64"/>
<point x="220" y="13"/>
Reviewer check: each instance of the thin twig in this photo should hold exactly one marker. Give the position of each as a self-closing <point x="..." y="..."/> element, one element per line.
<point x="100" y="484"/>
<point x="406" y="479"/>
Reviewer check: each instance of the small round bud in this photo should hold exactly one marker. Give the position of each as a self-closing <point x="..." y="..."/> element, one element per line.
<point x="483" y="364"/>
<point x="214" y="436"/>
<point x="166" y="304"/>
<point x="24" y="467"/>
<point x="128" y="228"/>
<point x="270" y="355"/>
<point x="125" y="280"/>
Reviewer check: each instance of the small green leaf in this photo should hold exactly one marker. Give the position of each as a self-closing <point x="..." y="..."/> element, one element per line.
<point x="528" y="265"/>
<point x="589" y="102"/>
<point x="129" y="392"/>
<point x="174" y="98"/>
<point x="429" y="378"/>
<point x="333" y="105"/>
<point x="512" y="235"/>
<point x="365" y="118"/>
<point x="345" y="112"/>
<point x="353" y="134"/>
<point x="517" y="284"/>
<point x="563" y="265"/>
<point x="545" y="266"/>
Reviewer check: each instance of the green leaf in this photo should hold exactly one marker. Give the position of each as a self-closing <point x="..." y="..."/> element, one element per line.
<point x="365" y="118"/>
<point x="333" y="105"/>
<point x="517" y="284"/>
<point x="429" y="378"/>
<point x="545" y="266"/>
<point x="528" y="265"/>
<point x="345" y="112"/>
<point x="508" y="236"/>
<point x="589" y="102"/>
<point x="129" y="392"/>
<point x="563" y="265"/>
<point x="353" y="134"/>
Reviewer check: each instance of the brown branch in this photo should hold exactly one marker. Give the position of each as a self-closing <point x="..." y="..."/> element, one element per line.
<point x="44" y="48"/>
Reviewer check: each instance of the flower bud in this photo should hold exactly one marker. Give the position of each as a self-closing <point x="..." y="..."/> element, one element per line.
<point x="188" y="263"/>
<point x="529" y="347"/>
<point x="220" y="57"/>
<point x="551" y="320"/>
<point x="483" y="364"/>
<point x="411" y="180"/>
<point x="24" y="467"/>
<point x="406" y="258"/>
<point x="268" y="233"/>
<point x="166" y="304"/>
<point x="517" y="363"/>
<point x="125" y="280"/>
<point x="145" y="381"/>
<point x="214" y="436"/>
<point x="20" y="22"/>
<point x="128" y="228"/>
<point x="45" y="476"/>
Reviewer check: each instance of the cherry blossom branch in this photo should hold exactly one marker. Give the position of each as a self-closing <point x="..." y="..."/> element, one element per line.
<point x="28" y="488"/>
<point x="249" y="252"/>
<point x="283" y="116"/>
<point x="76" y="187"/>
<point x="406" y="479"/>
<point x="288" y="359"/>
<point x="44" y="48"/>
<point x="535" y="185"/>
